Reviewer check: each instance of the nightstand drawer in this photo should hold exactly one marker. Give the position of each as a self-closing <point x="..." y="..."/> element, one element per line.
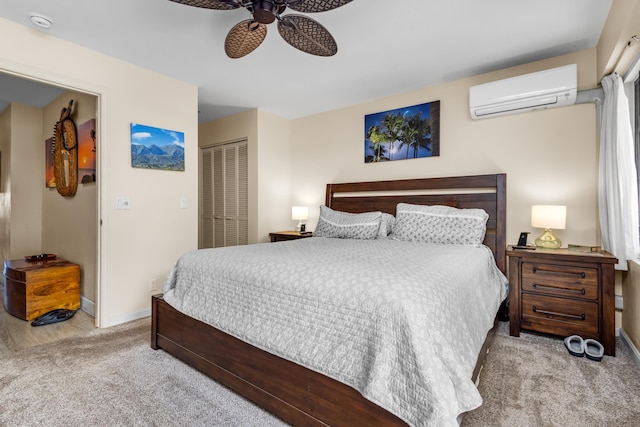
<point x="560" y="316"/>
<point x="560" y="280"/>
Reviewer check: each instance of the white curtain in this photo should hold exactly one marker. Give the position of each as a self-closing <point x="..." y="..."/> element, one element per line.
<point x="617" y="182"/>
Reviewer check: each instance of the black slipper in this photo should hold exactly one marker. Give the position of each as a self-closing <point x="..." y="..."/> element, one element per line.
<point x="54" y="316"/>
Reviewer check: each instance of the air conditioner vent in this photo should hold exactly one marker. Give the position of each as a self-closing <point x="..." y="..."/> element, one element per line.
<point x="544" y="89"/>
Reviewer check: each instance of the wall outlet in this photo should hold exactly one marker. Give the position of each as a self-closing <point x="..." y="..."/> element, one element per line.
<point x="123" y="203"/>
<point x="153" y="285"/>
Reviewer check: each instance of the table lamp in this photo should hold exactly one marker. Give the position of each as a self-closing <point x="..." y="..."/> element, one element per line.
<point x="548" y="217"/>
<point x="299" y="213"/>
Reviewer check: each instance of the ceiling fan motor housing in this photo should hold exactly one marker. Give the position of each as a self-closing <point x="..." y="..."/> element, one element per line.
<point x="264" y="11"/>
<point x="299" y="31"/>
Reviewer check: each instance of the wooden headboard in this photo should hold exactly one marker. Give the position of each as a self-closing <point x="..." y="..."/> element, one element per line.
<point x="487" y="192"/>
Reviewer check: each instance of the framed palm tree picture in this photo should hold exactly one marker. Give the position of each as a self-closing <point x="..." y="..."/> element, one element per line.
<point x="401" y="134"/>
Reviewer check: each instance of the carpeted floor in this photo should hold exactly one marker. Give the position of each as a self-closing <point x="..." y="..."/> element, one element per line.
<point x="112" y="377"/>
<point x="533" y="381"/>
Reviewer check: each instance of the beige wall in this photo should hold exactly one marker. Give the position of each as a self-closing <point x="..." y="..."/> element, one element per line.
<point x="136" y="246"/>
<point x="549" y="156"/>
<point x="631" y="293"/>
<point x="26" y="227"/>
<point x="274" y="174"/>
<point x="70" y="224"/>
<point x="22" y="181"/>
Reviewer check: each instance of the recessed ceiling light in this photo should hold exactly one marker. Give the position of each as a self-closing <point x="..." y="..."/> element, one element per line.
<point x="41" y="21"/>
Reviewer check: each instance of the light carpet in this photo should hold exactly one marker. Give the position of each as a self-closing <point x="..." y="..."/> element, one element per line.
<point x="532" y="380"/>
<point x="112" y="377"/>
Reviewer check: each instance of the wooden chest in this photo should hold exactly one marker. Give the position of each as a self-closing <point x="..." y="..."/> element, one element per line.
<point x="35" y="288"/>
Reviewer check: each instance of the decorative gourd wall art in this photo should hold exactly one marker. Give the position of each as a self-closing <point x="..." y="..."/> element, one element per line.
<point x="65" y="149"/>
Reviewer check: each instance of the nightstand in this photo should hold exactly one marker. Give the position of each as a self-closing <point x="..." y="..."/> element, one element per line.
<point x="281" y="236"/>
<point x="562" y="292"/>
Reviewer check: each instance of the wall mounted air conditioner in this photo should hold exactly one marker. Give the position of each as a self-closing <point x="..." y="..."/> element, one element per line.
<point x="545" y="89"/>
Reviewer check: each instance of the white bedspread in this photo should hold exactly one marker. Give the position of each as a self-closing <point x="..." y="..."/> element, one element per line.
<point x="401" y="322"/>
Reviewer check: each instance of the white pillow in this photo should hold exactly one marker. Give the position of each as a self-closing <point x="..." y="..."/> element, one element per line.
<point x="346" y="225"/>
<point x="440" y="224"/>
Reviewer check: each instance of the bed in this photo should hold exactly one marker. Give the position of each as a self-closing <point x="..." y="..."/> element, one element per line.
<point x="245" y="355"/>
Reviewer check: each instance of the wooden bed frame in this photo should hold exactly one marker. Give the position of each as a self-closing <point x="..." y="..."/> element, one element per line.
<point x="295" y="394"/>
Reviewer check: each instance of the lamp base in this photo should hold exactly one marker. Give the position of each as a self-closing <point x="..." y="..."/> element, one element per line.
<point x="548" y="240"/>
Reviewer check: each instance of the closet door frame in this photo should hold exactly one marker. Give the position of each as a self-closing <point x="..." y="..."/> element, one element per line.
<point x="223" y="213"/>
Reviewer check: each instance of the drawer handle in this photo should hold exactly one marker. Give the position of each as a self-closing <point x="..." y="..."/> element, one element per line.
<point x="559" y="288"/>
<point x="565" y="273"/>
<point x="553" y="313"/>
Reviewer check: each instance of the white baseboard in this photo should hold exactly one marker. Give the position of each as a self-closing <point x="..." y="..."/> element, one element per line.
<point x="88" y="306"/>
<point x="635" y="354"/>
<point x="128" y="317"/>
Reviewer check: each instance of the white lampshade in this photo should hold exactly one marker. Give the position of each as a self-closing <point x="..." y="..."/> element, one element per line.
<point x="299" y="213"/>
<point x="549" y="216"/>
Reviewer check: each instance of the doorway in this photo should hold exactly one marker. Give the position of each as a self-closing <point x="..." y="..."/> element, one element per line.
<point x="68" y="227"/>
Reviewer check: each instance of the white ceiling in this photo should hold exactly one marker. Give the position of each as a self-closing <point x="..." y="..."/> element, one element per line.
<point x="384" y="47"/>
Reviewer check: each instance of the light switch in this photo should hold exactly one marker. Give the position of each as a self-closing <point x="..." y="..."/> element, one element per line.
<point x="183" y="202"/>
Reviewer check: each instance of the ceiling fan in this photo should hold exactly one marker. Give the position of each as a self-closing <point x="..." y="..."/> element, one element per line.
<point x="299" y="31"/>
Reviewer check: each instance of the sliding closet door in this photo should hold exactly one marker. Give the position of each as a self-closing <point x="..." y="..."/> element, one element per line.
<point x="224" y="209"/>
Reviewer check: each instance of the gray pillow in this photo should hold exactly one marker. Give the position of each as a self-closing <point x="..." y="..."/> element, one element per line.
<point x="440" y="224"/>
<point x="346" y="225"/>
<point x="386" y="225"/>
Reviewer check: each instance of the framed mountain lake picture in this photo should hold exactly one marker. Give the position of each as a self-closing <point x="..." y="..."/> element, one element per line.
<point x="401" y="134"/>
<point x="156" y="148"/>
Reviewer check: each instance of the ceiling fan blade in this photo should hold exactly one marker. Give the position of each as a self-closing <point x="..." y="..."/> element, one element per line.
<point x="307" y="35"/>
<point x="244" y="38"/>
<point x="210" y="4"/>
<point x="310" y="6"/>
